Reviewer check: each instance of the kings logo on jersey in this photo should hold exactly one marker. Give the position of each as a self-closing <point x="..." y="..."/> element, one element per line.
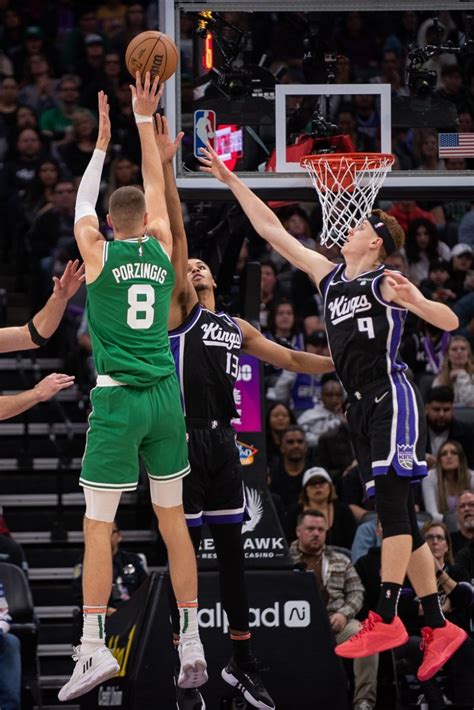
<point x="342" y="307"/>
<point x="405" y="455"/>
<point x="213" y="334"/>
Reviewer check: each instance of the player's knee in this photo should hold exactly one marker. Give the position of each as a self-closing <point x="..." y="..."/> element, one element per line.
<point x="166" y="494"/>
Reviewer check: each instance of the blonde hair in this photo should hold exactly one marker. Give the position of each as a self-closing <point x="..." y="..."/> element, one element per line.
<point x="462" y="479"/>
<point x="443" y="377"/>
<point x="396" y="232"/>
<point x="126" y="208"/>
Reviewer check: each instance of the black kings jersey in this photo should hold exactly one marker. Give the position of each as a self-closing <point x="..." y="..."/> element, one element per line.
<point x="206" y="350"/>
<point x="364" y="331"/>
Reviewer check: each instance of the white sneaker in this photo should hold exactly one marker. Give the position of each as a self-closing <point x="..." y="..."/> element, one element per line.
<point x="88" y="672"/>
<point x="193" y="671"/>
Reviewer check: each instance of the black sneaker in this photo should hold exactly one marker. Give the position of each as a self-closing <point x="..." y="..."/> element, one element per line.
<point x="189" y="699"/>
<point x="249" y="684"/>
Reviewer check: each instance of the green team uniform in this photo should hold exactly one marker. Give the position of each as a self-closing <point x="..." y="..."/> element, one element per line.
<point x="136" y="407"/>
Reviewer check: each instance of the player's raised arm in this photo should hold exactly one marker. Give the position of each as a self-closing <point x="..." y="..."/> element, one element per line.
<point x="399" y="289"/>
<point x="145" y="100"/>
<point x="184" y="295"/>
<point x="256" y="344"/>
<point x="265" y="222"/>
<point x="86" y="223"/>
<point x="42" y="326"/>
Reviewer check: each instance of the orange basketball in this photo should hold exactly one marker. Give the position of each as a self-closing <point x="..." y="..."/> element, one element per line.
<point x="152" y="51"/>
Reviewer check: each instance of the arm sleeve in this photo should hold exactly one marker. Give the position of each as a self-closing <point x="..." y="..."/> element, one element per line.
<point x="88" y="191"/>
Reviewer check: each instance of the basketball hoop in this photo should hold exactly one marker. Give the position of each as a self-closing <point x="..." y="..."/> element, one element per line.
<point x="347" y="185"/>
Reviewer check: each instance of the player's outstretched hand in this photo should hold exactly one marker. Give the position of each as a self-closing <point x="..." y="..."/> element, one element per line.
<point x="52" y="384"/>
<point x="166" y="146"/>
<point x="69" y="282"/>
<point x="404" y="289"/>
<point x="146" y="97"/>
<point x="104" y="132"/>
<point x="211" y="163"/>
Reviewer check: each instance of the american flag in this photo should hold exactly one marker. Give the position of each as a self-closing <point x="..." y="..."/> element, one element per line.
<point x="456" y="145"/>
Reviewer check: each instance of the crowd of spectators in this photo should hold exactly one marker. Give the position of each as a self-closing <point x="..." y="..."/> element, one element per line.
<point x="54" y="59"/>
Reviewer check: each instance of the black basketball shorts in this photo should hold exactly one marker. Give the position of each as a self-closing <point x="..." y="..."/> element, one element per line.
<point x="388" y="429"/>
<point x="213" y="491"/>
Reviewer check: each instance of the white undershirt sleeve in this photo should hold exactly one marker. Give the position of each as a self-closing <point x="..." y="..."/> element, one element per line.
<point x="88" y="191"/>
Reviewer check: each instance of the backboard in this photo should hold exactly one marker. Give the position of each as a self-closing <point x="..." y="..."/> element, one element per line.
<point x="391" y="97"/>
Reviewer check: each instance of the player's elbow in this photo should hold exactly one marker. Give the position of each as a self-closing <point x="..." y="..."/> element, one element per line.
<point x="452" y="321"/>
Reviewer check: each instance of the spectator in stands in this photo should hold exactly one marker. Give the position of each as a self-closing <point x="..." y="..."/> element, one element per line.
<point x="269" y="291"/>
<point x="108" y="81"/>
<point x="367" y="118"/>
<point x="299" y="390"/>
<point x="124" y="132"/>
<point x="368" y="537"/>
<point x="39" y="195"/>
<point x="439" y="285"/>
<point x="392" y="73"/>
<point x="355" y="41"/>
<point x="443" y="483"/>
<point x="26" y="118"/>
<point x="466" y="228"/>
<point x="111" y="16"/>
<point x="296" y="222"/>
<point x="10" y="550"/>
<point x="74" y="43"/>
<point x="8" y="108"/>
<point x="122" y="173"/>
<point x="461" y="263"/>
<point x="283" y="324"/>
<point x="422" y="246"/>
<point x="465" y="560"/>
<point x="92" y="65"/>
<point x="135" y="22"/>
<point x="76" y="153"/>
<point x="34" y="42"/>
<point x="129" y="573"/>
<point x="455" y="598"/>
<point x="56" y="122"/>
<point x="286" y="475"/>
<point x="464" y="309"/>
<point x="319" y="493"/>
<point x="10" y="662"/>
<point x="465" y="520"/>
<point x="39" y="91"/>
<point x="279" y="418"/>
<point x="12" y="37"/>
<point x="334" y="451"/>
<point x="51" y="238"/>
<point x="406" y="211"/>
<point x="443" y="425"/>
<point x="324" y="415"/>
<point x="35" y="333"/>
<point x="342" y="592"/>
<point x="457" y="371"/>
<point x="452" y="88"/>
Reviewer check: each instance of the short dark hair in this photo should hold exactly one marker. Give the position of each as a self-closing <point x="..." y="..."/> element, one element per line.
<point x="293" y="427"/>
<point x="443" y="393"/>
<point x="312" y="512"/>
<point x="270" y="263"/>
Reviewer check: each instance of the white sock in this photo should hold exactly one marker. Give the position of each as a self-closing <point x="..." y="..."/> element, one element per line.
<point x="188" y="621"/>
<point x="93" y="630"/>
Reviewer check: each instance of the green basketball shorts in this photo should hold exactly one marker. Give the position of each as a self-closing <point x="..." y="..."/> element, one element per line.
<point x="127" y="422"/>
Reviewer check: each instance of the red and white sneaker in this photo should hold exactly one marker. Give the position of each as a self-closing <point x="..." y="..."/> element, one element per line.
<point x="374" y="637"/>
<point x="438" y="645"/>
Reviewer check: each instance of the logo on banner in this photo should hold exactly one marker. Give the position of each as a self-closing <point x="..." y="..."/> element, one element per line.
<point x="247" y="452"/>
<point x="109" y="697"/>
<point x="405" y="455"/>
<point x="204" y="130"/>
<point x="254" y="505"/>
<point x="120" y="648"/>
<point x="297" y="614"/>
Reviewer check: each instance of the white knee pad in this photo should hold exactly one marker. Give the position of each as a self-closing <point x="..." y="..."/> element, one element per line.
<point x="101" y="505"/>
<point x="166" y="494"/>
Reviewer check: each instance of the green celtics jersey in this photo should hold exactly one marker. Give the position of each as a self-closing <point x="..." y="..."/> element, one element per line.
<point x="127" y="312"/>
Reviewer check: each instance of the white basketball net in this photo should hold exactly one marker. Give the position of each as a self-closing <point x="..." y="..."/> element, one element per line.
<point x="347" y="188"/>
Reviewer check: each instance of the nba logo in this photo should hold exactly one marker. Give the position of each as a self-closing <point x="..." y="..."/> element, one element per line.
<point x="204" y="130"/>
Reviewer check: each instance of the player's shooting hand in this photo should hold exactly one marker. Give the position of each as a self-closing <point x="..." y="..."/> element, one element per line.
<point x="72" y="277"/>
<point x="103" y="136"/>
<point x="404" y="289"/>
<point x="52" y="384"/>
<point x="146" y="97"/>
<point x="166" y="146"/>
<point x="211" y="163"/>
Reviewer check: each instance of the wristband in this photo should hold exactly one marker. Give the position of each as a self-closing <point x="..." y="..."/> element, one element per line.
<point x="35" y="336"/>
<point x="140" y="118"/>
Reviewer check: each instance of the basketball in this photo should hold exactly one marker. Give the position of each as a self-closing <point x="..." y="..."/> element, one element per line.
<point x="152" y="51"/>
